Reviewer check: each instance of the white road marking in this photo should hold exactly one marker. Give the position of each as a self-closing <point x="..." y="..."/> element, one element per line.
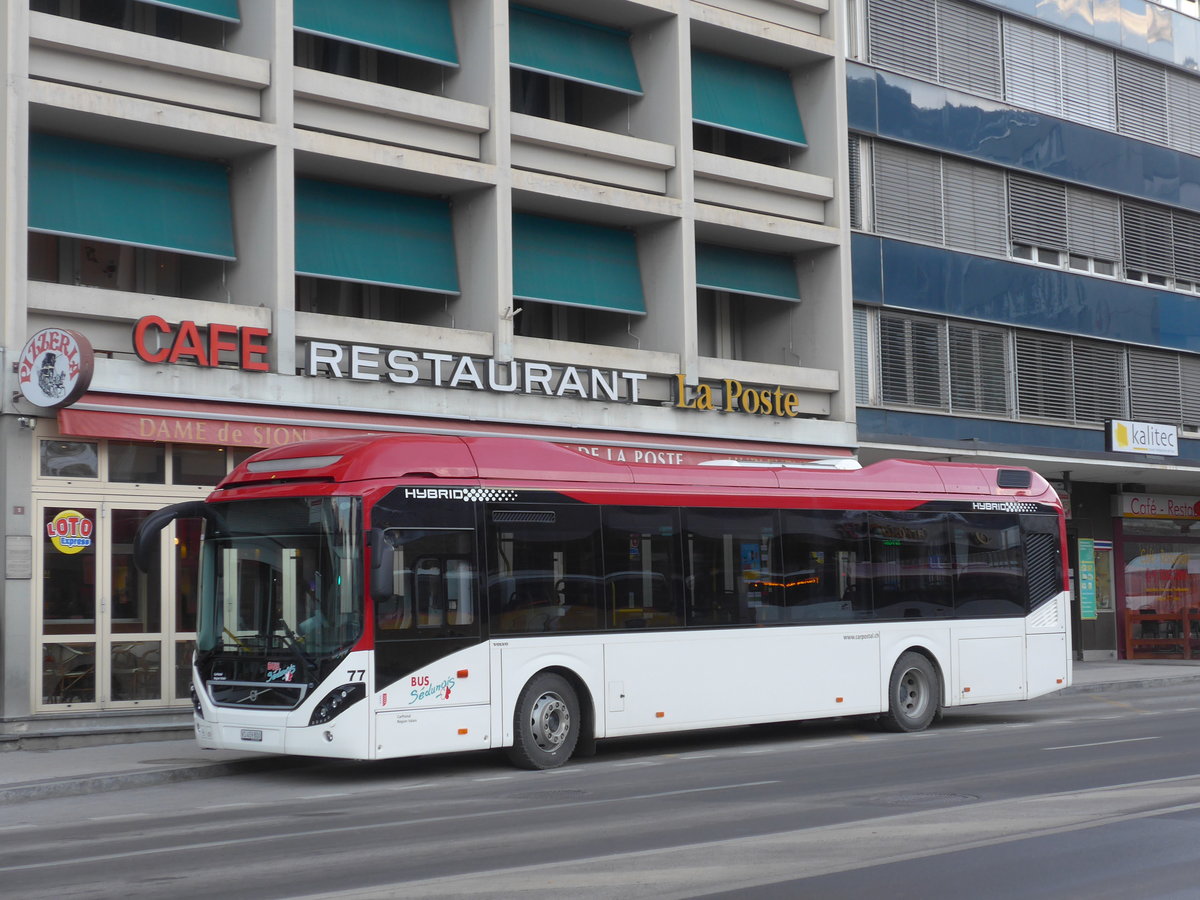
<point x="1104" y="743"/>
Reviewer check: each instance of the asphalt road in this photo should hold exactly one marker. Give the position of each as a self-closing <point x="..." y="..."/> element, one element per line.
<point x="1094" y="795"/>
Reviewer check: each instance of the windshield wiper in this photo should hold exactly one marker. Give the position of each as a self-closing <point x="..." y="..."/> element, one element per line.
<point x="294" y="645"/>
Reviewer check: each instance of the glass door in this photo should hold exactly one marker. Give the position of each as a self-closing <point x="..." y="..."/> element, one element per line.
<point x="109" y="631"/>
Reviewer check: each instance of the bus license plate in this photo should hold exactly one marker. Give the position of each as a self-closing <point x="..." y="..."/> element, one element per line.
<point x="251" y="734"/>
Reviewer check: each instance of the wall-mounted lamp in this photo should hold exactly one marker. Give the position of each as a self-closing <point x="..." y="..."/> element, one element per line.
<point x="27" y="422"/>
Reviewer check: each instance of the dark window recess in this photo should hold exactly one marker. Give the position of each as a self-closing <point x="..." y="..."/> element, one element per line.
<point x="143" y="18"/>
<point x="383" y="303"/>
<point x="120" y="267"/>
<point x="544" y="570"/>
<point x="369" y="64"/>
<point x="741" y="146"/>
<point x="564" y="100"/>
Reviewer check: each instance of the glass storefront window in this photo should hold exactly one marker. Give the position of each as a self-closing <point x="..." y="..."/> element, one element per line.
<point x="135" y="597"/>
<point x="187" y="573"/>
<point x="136" y="670"/>
<point x="69" y="570"/>
<point x="183" y="667"/>
<point x="197" y="465"/>
<point x="69" y="459"/>
<point x="68" y="673"/>
<point x="135" y="463"/>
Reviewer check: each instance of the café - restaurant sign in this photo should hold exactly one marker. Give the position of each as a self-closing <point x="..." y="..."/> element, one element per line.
<point x="1157" y="506"/>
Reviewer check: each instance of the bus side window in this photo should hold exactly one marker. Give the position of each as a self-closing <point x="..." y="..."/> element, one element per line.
<point x="643" y="578"/>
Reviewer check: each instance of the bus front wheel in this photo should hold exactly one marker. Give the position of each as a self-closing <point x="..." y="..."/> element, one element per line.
<point x="914" y="694"/>
<point x="545" y="724"/>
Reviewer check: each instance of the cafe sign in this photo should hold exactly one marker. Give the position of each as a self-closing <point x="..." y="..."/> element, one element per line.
<point x="1157" y="506"/>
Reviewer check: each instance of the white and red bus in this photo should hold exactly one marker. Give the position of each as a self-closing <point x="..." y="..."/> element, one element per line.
<point x="385" y="596"/>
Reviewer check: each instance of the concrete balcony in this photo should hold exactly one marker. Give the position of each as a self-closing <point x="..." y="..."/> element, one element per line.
<point x="125" y="63"/>
<point x="588" y="154"/>
<point x="769" y="190"/>
<point x="335" y="104"/>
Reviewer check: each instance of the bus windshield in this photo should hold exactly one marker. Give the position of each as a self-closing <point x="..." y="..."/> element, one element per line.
<point x="282" y="577"/>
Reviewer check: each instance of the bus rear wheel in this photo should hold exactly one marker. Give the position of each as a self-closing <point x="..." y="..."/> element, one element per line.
<point x="545" y="723"/>
<point x="914" y="694"/>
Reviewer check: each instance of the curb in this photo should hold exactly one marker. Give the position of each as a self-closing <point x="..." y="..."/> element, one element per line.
<point x="1101" y="686"/>
<point x="50" y="789"/>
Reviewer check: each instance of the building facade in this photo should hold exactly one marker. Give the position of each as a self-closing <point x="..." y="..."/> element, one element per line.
<point x="620" y="225"/>
<point x="1025" y="183"/>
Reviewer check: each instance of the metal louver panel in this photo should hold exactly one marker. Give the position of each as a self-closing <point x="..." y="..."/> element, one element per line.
<point x="1099" y="381"/>
<point x="1044" y="377"/>
<point x="1185" y="245"/>
<point x="1141" y="99"/>
<point x="1042" y="567"/>
<point x="979" y="370"/>
<point x="974" y="207"/>
<point x="1183" y="99"/>
<point x="862" y="356"/>
<point x="1093" y="224"/>
<point x="908" y="193"/>
<point x="969" y="48"/>
<point x="1154" y="389"/>
<point x="1032" y="70"/>
<point x="1189" y="389"/>
<point x="901" y="35"/>
<point x="1088" y="83"/>
<point x="524" y="516"/>
<point x="1146" y="238"/>
<point x="910" y="355"/>
<point x="1038" y="212"/>
<point x="855" y="154"/>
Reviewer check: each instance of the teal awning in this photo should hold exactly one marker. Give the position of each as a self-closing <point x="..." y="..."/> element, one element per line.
<point x="574" y="264"/>
<point x="569" y="48"/>
<point x="225" y="10"/>
<point x="417" y="28"/>
<point x="736" y="95"/>
<point x="746" y="272"/>
<point x="85" y="190"/>
<point x="374" y="237"/>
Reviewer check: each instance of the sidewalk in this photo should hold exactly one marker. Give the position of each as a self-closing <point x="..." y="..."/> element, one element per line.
<point x="43" y="774"/>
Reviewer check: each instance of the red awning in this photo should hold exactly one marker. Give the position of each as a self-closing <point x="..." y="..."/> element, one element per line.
<point x="175" y="420"/>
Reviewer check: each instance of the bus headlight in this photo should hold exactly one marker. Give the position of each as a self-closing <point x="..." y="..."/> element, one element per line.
<point x="336" y="701"/>
<point x="196" y="702"/>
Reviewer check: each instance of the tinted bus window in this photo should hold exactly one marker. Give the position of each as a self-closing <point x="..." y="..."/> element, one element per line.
<point x="544" y="568"/>
<point x="911" y="567"/>
<point x="643" y="574"/>
<point x="433" y="587"/>
<point x="733" y="574"/>
<point x="825" y="554"/>
<point x="989" y="565"/>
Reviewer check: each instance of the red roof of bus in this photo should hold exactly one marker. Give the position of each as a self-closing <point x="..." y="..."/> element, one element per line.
<point x="374" y="458"/>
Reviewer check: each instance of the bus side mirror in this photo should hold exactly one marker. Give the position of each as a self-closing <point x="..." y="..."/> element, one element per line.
<point x="145" y="542"/>
<point x="383" y="558"/>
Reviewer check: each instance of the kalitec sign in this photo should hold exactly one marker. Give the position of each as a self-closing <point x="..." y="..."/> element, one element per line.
<point x="1142" y="437"/>
<point x="55" y="367"/>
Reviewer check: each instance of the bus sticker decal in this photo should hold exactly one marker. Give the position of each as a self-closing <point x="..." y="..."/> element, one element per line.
<point x="431" y="690"/>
